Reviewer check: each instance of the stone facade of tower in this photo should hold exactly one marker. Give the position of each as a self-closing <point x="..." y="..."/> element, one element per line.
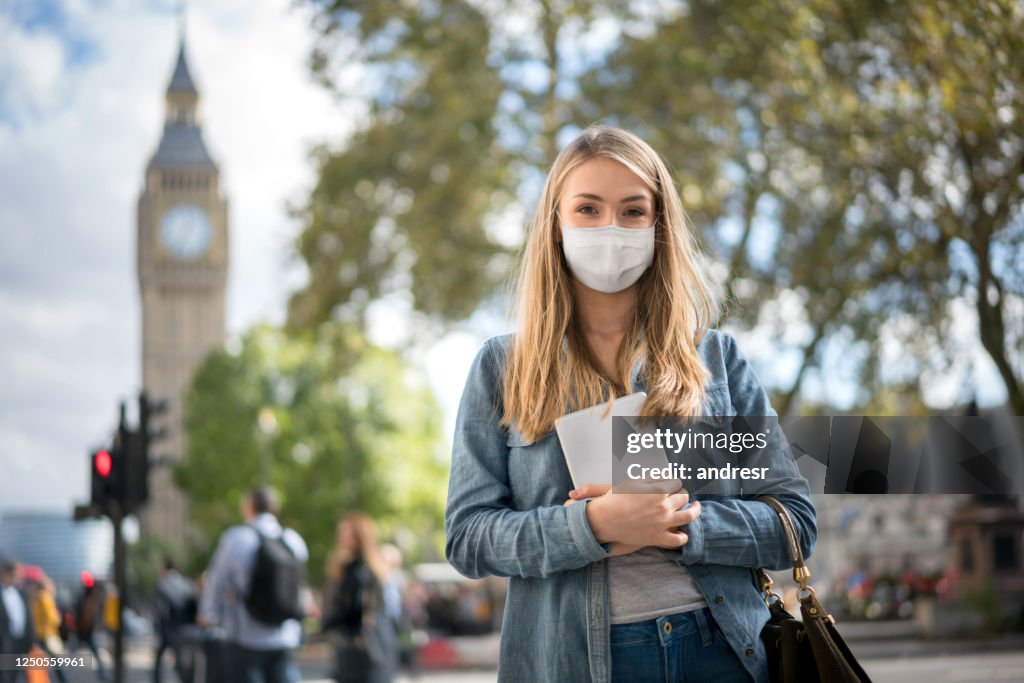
<point x="182" y="263"/>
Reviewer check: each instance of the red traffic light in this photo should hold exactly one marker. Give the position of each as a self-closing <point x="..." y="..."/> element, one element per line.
<point x="103" y="463"/>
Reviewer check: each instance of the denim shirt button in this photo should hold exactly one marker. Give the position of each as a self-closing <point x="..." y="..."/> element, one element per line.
<point x="719" y="599"/>
<point x="750" y="652"/>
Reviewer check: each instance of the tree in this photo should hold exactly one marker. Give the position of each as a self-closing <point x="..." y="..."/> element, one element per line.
<point x="465" y="108"/>
<point x="366" y="439"/>
<point x="855" y="163"/>
<point x="879" y="145"/>
<point x="403" y="205"/>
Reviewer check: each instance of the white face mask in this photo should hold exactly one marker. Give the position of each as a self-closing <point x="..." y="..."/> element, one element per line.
<point x="608" y="259"/>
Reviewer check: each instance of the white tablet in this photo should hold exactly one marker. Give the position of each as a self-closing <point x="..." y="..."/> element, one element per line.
<point x="586" y="438"/>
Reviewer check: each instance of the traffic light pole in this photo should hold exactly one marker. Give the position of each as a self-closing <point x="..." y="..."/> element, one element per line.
<point x="119" y="487"/>
<point x="120" y="584"/>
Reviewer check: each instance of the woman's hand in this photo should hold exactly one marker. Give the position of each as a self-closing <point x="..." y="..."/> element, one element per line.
<point x="593" y="490"/>
<point x="637" y="519"/>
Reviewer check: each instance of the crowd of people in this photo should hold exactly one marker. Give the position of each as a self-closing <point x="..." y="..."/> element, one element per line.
<point x="33" y="621"/>
<point x="242" y="619"/>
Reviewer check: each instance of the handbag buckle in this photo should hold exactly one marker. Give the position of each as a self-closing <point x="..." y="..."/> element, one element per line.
<point x="769" y="594"/>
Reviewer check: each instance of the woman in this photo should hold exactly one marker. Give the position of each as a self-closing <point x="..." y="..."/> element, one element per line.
<point x="366" y="649"/>
<point x="609" y="586"/>
<point x="45" y="615"/>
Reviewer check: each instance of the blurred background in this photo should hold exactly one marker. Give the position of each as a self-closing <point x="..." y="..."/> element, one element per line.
<point x="296" y="223"/>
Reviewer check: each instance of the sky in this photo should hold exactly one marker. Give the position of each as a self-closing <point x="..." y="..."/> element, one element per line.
<point x="81" y="110"/>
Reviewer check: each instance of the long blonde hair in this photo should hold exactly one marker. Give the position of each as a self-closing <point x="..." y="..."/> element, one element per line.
<point x="550" y="367"/>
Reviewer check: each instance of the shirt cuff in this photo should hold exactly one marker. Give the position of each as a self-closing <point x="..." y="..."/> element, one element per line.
<point x="581" y="532"/>
<point x="693" y="551"/>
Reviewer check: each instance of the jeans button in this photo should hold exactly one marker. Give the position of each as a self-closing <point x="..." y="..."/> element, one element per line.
<point x="667" y="628"/>
<point x="750" y="652"/>
<point x="719" y="599"/>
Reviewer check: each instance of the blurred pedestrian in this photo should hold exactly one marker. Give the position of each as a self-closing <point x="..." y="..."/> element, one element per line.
<point x="176" y="605"/>
<point x="17" y="631"/>
<point x="394" y="581"/>
<point x="40" y="592"/>
<point x="88" y="612"/>
<point x="356" y="608"/>
<point x="253" y="589"/>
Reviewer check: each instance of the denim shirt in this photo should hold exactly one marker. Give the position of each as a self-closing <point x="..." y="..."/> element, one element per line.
<point x="505" y="517"/>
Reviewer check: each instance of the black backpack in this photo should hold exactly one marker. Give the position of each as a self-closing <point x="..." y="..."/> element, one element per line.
<point x="275" y="583"/>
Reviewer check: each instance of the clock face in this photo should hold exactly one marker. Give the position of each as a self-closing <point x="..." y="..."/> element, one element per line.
<point x="186" y="231"/>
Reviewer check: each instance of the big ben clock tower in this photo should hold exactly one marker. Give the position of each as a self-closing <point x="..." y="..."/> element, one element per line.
<point x="182" y="259"/>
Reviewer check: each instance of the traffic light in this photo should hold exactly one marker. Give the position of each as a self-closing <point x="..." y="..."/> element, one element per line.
<point x="138" y="450"/>
<point x="107" y="477"/>
<point x="136" y="490"/>
<point x="148" y="409"/>
<point x="120" y="473"/>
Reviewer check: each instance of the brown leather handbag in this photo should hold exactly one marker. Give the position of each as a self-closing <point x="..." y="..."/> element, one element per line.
<point x="811" y="651"/>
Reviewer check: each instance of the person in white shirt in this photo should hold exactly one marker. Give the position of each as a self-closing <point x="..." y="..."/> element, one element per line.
<point x="259" y="652"/>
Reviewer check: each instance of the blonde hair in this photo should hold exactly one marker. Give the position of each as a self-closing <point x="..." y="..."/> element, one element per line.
<point x="550" y="367"/>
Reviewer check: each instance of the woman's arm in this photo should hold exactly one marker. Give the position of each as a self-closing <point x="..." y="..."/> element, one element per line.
<point x="485" y="535"/>
<point x="742" y="531"/>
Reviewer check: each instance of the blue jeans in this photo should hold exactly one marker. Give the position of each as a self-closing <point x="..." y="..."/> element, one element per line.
<point x="677" y="648"/>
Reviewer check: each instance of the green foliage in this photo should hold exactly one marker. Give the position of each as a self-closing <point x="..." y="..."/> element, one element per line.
<point x="352" y="433"/>
<point x="880" y="141"/>
<point x="986" y="601"/>
<point x="403" y="206"/>
<point x="858" y="162"/>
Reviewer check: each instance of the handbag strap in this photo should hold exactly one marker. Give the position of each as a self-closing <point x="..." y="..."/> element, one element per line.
<point x="801" y="572"/>
<point x="814" y="615"/>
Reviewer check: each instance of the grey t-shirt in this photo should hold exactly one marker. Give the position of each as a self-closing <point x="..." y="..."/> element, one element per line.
<point x="646" y="584"/>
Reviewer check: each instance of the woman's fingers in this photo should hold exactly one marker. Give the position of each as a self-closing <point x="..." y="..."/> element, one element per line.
<point x="687" y="515"/>
<point x="677" y="500"/>
<point x="589" y="491"/>
<point x="636" y="519"/>
<point x="672" y="539"/>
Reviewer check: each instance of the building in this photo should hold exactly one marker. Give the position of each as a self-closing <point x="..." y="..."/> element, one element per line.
<point x="61" y="546"/>
<point x="882" y="534"/>
<point x="182" y="263"/>
<point x="987" y="533"/>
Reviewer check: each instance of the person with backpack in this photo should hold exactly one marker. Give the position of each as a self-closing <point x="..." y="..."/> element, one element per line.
<point x="254" y="591"/>
<point x="176" y="605"/>
<point x="356" y="608"/>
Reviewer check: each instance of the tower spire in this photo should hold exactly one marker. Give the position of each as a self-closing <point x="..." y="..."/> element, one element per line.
<point x="181" y="79"/>
<point x="182" y="141"/>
